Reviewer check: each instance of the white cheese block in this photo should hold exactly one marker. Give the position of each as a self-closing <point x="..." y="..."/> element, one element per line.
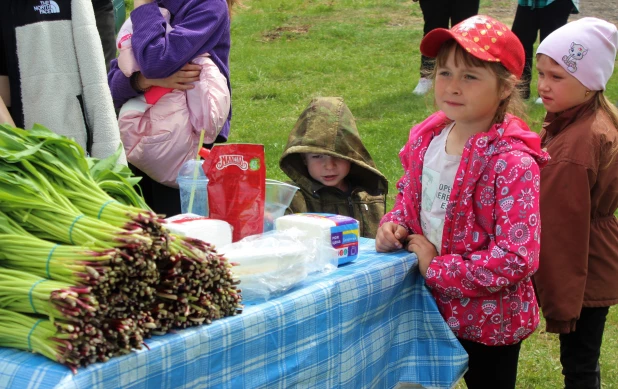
<point x="213" y="231"/>
<point x="266" y="265"/>
<point x="253" y="260"/>
<point x="336" y="231"/>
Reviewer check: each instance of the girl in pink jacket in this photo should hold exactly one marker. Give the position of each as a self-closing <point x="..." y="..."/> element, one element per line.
<point x="468" y="203"/>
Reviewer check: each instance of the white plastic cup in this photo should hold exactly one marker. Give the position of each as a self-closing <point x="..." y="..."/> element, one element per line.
<point x="191" y="178"/>
<point x="279" y="196"/>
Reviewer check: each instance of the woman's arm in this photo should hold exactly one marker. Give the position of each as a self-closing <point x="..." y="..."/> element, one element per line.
<point x="182" y="79"/>
<point x="5" y="101"/>
<point x="5" y="90"/>
<point x="123" y="89"/>
<point x="198" y="26"/>
<point x="119" y="85"/>
<point x="5" y="116"/>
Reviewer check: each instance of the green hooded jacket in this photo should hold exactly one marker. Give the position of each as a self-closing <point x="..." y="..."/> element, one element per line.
<point x="327" y="127"/>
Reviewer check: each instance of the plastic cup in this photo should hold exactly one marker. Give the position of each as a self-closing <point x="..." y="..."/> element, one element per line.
<point x="193" y="185"/>
<point x="200" y="196"/>
<point x="279" y="196"/>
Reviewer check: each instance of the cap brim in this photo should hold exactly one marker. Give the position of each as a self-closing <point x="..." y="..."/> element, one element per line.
<point x="431" y="43"/>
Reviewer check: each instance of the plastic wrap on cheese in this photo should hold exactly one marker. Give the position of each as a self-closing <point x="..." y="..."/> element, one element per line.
<point x="267" y="265"/>
<point x="213" y="231"/>
<point x="340" y="232"/>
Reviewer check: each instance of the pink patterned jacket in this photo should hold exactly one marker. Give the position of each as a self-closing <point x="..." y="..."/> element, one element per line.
<point x="490" y="246"/>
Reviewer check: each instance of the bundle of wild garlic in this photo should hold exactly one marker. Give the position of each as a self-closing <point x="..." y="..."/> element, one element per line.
<point x="80" y="247"/>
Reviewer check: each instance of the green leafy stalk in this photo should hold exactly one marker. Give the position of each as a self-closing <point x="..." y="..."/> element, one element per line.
<point x="26" y="293"/>
<point x="30" y="333"/>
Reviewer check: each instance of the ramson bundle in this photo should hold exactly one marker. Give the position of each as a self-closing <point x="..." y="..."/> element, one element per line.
<point x="87" y="271"/>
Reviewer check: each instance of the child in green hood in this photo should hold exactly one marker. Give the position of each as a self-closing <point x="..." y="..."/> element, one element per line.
<point x="326" y="159"/>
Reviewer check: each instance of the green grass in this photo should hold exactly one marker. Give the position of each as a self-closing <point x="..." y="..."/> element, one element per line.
<point x="285" y="52"/>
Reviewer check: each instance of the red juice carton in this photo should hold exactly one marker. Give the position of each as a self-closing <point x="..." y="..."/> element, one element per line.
<point x="236" y="186"/>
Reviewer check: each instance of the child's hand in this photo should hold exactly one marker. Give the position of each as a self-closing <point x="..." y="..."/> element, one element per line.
<point x="390" y="237"/>
<point x="424" y="250"/>
<point x="182" y="79"/>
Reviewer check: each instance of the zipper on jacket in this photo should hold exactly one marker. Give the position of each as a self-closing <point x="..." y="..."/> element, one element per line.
<point x="501" y="312"/>
<point x="89" y="140"/>
<point x="350" y="206"/>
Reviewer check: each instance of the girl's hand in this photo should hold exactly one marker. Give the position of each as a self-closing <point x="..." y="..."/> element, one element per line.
<point x="424" y="250"/>
<point x="390" y="237"/>
<point x="182" y="79"/>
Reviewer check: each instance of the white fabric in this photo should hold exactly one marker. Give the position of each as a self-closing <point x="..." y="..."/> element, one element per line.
<point x="586" y="48"/>
<point x="423" y="87"/>
<point x="439" y="170"/>
<point x="58" y="61"/>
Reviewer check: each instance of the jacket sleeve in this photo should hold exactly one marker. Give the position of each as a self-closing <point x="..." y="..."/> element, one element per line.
<point x="119" y="85"/>
<point x="298" y="205"/>
<point x="160" y="55"/>
<point x="405" y="186"/>
<point x="99" y="109"/>
<point x="512" y="254"/>
<point x="565" y="209"/>
<point x="399" y="213"/>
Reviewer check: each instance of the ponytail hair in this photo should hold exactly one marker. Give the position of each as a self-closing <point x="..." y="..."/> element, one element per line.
<point x="601" y="102"/>
<point x="230" y="4"/>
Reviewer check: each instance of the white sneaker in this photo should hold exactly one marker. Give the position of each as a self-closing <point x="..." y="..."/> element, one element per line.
<point x="423" y="86"/>
<point x="538" y="101"/>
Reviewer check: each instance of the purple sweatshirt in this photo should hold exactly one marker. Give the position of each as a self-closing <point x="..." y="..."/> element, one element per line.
<point x="200" y="26"/>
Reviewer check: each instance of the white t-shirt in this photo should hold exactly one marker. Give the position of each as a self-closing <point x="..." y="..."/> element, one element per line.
<point x="439" y="170"/>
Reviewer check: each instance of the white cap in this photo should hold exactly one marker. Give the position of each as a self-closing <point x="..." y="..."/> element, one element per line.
<point x="586" y="48"/>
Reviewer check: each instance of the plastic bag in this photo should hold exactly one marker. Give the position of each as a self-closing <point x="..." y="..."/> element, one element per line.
<point x="270" y="264"/>
<point x="236" y="186"/>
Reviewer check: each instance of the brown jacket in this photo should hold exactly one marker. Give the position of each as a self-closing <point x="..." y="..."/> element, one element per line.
<point x="579" y="238"/>
<point x="327" y="126"/>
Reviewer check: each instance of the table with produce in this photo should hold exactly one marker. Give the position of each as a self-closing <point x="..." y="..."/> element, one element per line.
<point x="97" y="291"/>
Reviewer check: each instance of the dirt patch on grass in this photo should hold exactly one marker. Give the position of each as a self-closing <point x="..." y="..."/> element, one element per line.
<point x="290" y="31"/>
<point x="398" y="20"/>
<point x="504" y="10"/>
<point x="604" y="9"/>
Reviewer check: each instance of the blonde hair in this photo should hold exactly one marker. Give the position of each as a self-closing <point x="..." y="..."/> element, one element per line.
<point x="600" y="101"/>
<point x="231" y="3"/>
<point x="512" y="104"/>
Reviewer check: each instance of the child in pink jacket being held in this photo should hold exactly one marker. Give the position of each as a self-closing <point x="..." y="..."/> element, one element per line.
<point x="468" y="203"/>
<point x="160" y="130"/>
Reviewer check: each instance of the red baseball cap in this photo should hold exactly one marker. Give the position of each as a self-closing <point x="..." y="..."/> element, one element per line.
<point x="483" y="37"/>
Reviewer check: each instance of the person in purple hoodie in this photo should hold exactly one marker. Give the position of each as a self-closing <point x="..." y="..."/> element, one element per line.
<point x="199" y="27"/>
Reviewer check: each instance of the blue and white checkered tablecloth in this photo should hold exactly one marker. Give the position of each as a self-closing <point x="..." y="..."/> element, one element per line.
<point x="369" y="324"/>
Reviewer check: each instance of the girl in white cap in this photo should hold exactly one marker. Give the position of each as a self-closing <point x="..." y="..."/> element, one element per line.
<point x="576" y="282"/>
